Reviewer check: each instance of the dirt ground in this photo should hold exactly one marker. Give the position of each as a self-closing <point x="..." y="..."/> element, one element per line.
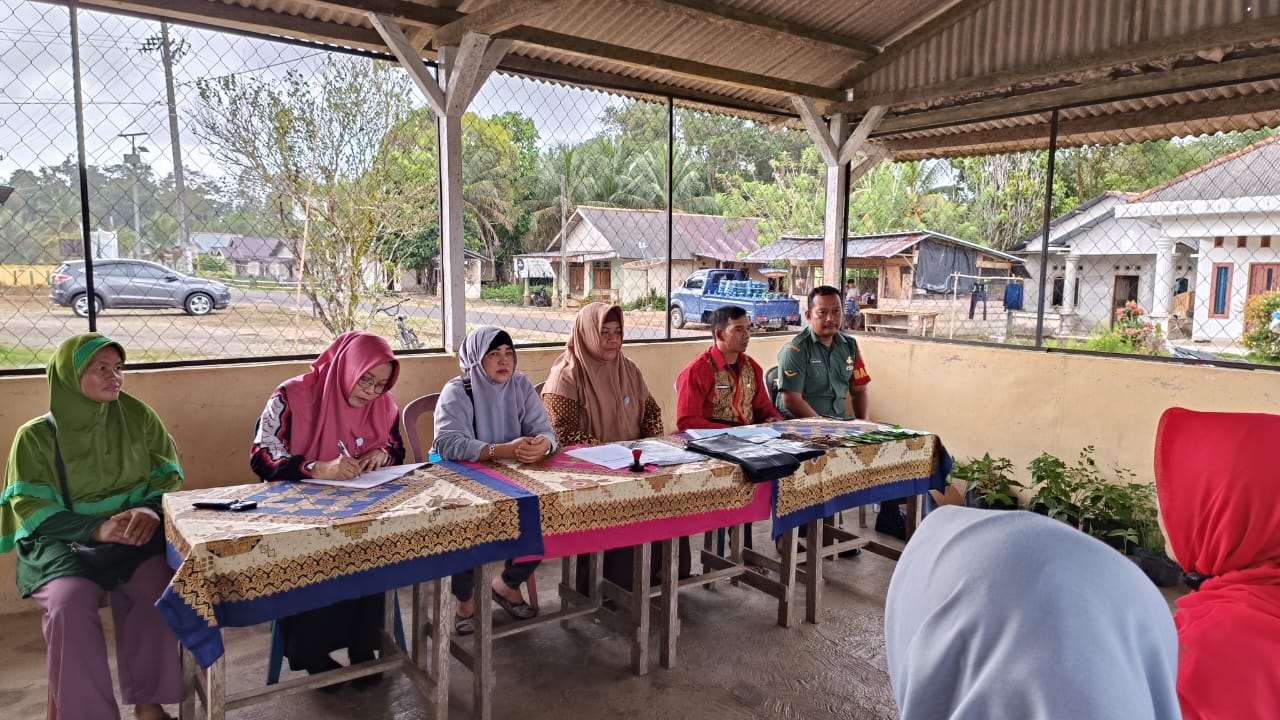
<point x="256" y="324"/>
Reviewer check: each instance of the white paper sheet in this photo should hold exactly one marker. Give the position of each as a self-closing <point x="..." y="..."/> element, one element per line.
<point x="749" y="431"/>
<point x="618" y="455"/>
<point x="373" y="478"/>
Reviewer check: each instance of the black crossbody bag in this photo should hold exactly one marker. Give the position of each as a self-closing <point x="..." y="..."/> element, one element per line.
<point x="100" y="555"/>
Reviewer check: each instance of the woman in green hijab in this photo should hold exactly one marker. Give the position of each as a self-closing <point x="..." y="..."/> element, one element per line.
<point x="92" y="471"/>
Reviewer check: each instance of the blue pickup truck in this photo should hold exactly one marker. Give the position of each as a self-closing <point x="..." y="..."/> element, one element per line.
<point x="706" y="290"/>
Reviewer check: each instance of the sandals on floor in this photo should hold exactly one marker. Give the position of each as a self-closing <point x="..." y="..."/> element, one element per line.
<point x="463" y="626"/>
<point x="518" y="610"/>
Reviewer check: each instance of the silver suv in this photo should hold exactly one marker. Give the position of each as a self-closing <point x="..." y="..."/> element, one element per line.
<point x="124" y="283"/>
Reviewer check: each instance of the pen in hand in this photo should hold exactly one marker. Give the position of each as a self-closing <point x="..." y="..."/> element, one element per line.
<point x="342" y="450"/>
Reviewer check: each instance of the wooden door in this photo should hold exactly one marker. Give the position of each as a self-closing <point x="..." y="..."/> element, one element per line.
<point x="601" y="278"/>
<point x="1126" y="290"/>
<point x="575" y="280"/>
<point x="1263" y="277"/>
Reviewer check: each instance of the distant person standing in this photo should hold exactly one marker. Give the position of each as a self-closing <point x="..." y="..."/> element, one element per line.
<point x="851" y="315"/>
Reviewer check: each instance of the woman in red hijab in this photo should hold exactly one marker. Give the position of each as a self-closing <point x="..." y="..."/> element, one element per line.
<point x="333" y="423"/>
<point x="1216" y="477"/>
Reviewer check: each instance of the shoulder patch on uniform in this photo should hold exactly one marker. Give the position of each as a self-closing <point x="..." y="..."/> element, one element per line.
<point x="790" y="373"/>
<point x="792" y="348"/>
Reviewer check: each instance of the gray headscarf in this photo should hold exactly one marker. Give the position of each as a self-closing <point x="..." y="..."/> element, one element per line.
<point x="496" y="412"/>
<point x="1010" y="614"/>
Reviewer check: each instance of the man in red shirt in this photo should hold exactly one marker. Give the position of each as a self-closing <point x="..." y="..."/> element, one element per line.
<point x="723" y="387"/>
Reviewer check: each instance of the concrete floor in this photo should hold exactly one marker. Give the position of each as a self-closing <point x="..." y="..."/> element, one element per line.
<point x="733" y="662"/>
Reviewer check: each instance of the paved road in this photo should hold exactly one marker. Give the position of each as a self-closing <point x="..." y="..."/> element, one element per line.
<point x="548" y="320"/>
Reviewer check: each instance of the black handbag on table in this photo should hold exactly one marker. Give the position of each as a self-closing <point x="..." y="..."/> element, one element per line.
<point x="760" y="461"/>
<point x="100" y="555"/>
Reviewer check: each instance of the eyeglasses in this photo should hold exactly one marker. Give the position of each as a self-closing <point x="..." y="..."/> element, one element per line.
<point x="368" y="384"/>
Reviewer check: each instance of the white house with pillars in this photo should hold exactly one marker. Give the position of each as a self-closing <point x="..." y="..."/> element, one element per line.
<point x="1229" y="210"/>
<point x="1098" y="261"/>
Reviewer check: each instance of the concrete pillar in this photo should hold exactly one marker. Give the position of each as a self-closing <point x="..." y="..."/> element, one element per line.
<point x="1162" y="296"/>
<point x="1069" y="285"/>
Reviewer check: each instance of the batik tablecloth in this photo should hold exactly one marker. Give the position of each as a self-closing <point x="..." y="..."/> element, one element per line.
<point x="847" y="477"/>
<point x="586" y="508"/>
<point x="307" y="546"/>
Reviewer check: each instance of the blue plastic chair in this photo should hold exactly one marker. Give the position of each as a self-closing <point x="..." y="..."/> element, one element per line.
<point x="276" y="657"/>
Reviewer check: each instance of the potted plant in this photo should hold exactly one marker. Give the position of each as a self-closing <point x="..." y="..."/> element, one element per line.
<point x="1057" y="488"/>
<point x="989" y="482"/>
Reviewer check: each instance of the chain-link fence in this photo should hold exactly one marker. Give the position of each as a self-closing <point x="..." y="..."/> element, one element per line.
<point x="250" y="198"/>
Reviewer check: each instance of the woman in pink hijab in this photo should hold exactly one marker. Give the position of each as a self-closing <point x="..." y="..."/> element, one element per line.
<point x="333" y="423"/>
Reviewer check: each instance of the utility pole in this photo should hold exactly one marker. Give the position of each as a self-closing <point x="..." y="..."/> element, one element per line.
<point x="171" y="51"/>
<point x="564" y="240"/>
<point x="133" y="160"/>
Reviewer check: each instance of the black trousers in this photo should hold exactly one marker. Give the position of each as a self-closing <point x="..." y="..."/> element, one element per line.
<point x="356" y="624"/>
<point x="464" y="583"/>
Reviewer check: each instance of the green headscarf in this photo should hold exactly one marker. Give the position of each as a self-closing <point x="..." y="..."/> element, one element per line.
<point x="118" y="454"/>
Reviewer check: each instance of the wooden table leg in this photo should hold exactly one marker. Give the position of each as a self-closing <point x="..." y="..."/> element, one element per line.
<point x="434" y="661"/>
<point x="670" y="592"/>
<point x="482" y="673"/>
<point x="913" y="509"/>
<point x="813" y="572"/>
<point x="640" y="609"/>
<point x="190" y="678"/>
<point x="215" y="690"/>
<point x="787" y="577"/>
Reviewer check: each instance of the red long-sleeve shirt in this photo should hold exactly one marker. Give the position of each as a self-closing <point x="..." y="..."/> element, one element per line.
<point x="709" y="394"/>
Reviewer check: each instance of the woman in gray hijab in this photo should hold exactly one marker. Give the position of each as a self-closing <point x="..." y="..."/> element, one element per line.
<point x="491" y="412"/>
<point x="999" y="614"/>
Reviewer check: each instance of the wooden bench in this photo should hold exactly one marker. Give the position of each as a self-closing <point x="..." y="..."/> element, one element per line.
<point x="883" y="328"/>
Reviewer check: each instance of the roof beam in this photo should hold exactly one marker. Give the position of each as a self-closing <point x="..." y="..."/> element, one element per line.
<point x="1261" y="30"/>
<point x="494" y="18"/>
<point x="784" y="30"/>
<point x="411" y="61"/>
<point x="1231" y="72"/>
<point x="645" y="59"/>
<point x="957" y="11"/>
<point x="242" y="19"/>
<point x="859" y="137"/>
<point x="1079" y="130"/>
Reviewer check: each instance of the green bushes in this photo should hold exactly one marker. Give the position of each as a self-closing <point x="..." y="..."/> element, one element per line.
<point x="1132" y="333"/>
<point x="512" y="294"/>
<point x="1257" y="319"/>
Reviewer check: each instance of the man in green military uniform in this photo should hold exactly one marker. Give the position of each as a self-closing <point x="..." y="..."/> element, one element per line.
<point x="818" y="369"/>
<point x="821" y="365"/>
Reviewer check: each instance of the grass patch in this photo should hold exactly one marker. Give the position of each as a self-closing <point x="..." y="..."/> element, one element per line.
<point x="19" y="356"/>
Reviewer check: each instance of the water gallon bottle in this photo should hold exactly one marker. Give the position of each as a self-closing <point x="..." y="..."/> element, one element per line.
<point x="433" y="456"/>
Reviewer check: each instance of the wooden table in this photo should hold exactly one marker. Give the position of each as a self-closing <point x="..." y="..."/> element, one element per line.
<point x="585" y="509"/>
<point x="906" y="322"/>
<point x="307" y="546"/>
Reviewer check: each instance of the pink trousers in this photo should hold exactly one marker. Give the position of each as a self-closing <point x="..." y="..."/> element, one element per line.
<point x="147" y="655"/>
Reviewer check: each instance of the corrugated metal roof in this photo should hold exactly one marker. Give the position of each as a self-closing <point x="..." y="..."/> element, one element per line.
<point x="938" y="55"/>
<point x="639" y="234"/>
<point x="1248" y="172"/>
<point x="884" y="245"/>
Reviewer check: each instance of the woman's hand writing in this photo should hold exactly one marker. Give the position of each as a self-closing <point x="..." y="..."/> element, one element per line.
<point x="340" y="468"/>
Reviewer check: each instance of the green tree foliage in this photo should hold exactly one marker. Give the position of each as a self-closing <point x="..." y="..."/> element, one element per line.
<point x="320" y="150"/>
<point x="792" y="204"/>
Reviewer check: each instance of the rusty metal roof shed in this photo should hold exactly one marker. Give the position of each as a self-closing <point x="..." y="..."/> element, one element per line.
<point x="957" y="76"/>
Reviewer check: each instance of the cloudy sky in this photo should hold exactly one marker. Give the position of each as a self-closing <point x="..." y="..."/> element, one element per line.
<point x="124" y="88"/>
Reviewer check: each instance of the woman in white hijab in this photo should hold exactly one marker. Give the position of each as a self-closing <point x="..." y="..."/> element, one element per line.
<point x="999" y="614"/>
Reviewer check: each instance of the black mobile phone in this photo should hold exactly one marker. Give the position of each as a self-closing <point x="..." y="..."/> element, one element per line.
<point x="233" y="504"/>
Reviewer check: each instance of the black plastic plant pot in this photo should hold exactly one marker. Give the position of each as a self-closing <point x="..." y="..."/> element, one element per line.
<point x="1102" y="530"/>
<point x="1162" y="570"/>
<point x="1039" y="508"/>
